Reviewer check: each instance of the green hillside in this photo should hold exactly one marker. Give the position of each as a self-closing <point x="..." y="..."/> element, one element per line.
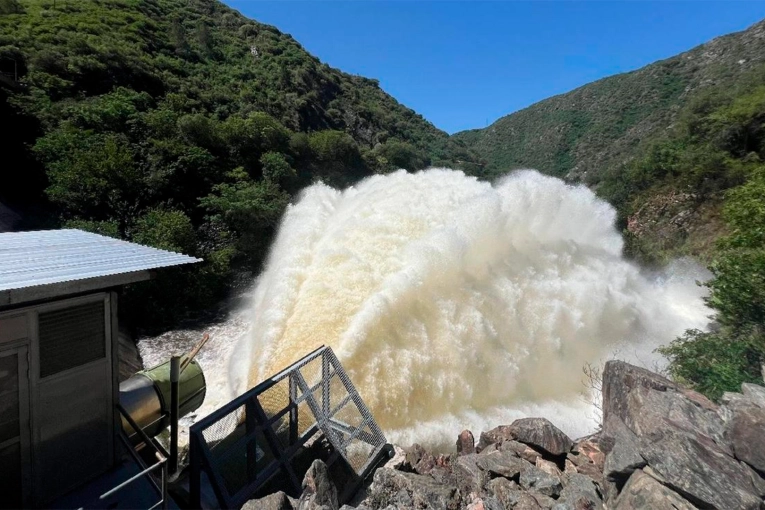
<point x="184" y="125"/>
<point x="583" y="134"/>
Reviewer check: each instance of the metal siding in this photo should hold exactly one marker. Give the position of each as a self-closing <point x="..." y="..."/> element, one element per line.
<point x="72" y="413"/>
<point x="46" y="257"/>
<point x="13" y="328"/>
<point x="71" y="337"/>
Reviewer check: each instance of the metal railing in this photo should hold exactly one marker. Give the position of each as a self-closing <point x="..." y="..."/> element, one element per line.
<point x="309" y="410"/>
<point x="160" y="454"/>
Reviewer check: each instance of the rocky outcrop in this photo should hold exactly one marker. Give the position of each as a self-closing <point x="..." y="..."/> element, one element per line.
<point x="701" y="452"/>
<point x="662" y="446"/>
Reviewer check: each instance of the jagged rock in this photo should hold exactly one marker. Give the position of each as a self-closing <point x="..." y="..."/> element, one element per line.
<point x="534" y="478"/>
<point x="569" y="467"/>
<point x="648" y="403"/>
<point x="443" y="475"/>
<point x="418" y="460"/>
<point x="502" y="488"/>
<point x="583" y="463"/>
<point x="483" y="503"/>
<point x="502" y="464"/>
<point x="493" y="436"/>
<point x="469" y="477"/>
<point x="465" y="443"/>
<point x="398" y="460"/>
<point x="275" y="501"/>
<point x="540" y="433"/>
<point x="755" y="393"/>
<point x="641" y="492"/>
<point x="543" y="501"/>
<point x="622" y="450"/>
<point x="579" y="493"/>
<point x="318" y="490"/>
<point x="746" y="433"/>
<point x="700" y="470"/>
<point x="410" y="490"/>
<point x="619" y="379"/>
<point x="548" y="467"/>
<point x="520" y="500"/>
<point x="581" y="503"/>
<point x="589" y="448"/>
<point x="494" y="447"/>
<point x="521" y="450"/>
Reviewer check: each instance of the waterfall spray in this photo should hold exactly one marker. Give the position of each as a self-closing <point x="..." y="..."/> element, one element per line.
<point x="453" y="302"/>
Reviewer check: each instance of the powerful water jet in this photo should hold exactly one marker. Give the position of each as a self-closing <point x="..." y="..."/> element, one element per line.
<point x="453" y="301"/>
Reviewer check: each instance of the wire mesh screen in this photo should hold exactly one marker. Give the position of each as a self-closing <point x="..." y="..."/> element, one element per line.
<point x="266" y="439"/>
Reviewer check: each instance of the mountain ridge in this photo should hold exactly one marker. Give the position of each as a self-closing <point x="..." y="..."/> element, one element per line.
<point x="579" y="126"/>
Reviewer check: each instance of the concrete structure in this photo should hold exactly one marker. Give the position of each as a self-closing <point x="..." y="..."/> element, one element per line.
<point x="59" y="428"/>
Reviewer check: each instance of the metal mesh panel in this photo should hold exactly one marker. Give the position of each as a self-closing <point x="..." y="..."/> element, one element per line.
<point x="266" y="439"/>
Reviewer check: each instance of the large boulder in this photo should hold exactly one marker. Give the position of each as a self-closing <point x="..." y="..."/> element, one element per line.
<point x="642" y="492"/>
<point x="318" y="490"/>
<point x="622" y="449"/>
<point x="468" y="475"/>
<point x="579" y="493"/>
<point x="503" y="490"/>
<point x="746" y="434"/>
<point x="541" y="434"/>
<point x="755" y="393"/>
<point x="418" y="460"/>
<point x="476" y="502"/>
<point x="410" y="490"/>
<point x="680" y="438"/>
<point x="701" y="471"/>
<point x="521" y="450"/>
<point x="494" y="436"/>
<point x="504" y="464"/>
<point x="275" y="501"/>
<point x="533" y="478"/>
<point x="648" y="403"/>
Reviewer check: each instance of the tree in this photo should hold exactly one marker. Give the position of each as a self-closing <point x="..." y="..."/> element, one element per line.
<point x="250" y="208"/>
<point x="93" y="176"/>
<point x="178" y="37"/>
<point x="276" y="168"/>
<point x="336" y="157"/>
<point x="399" y="154"/>
<point x="11" y="7"/>
<point x="165" y="229"/>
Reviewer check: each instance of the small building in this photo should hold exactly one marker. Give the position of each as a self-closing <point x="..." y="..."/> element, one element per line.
<point x="59" y="427"/>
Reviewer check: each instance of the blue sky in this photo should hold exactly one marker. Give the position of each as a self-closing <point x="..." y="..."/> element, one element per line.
<point x="463" y="64"/>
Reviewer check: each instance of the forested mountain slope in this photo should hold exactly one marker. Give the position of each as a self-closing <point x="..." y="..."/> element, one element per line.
<point x="184" y="125"/>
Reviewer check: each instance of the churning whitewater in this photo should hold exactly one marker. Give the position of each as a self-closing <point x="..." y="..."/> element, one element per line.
<point x="457" y="303"/>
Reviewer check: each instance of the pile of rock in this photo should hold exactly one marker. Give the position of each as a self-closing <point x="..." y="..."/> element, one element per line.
<point x="662" y="447"/>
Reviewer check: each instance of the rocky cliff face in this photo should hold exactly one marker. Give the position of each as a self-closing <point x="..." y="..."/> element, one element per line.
<point x="662" y="446"/>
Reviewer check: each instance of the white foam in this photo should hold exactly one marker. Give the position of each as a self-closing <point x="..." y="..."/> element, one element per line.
<point x="456" y="303"/>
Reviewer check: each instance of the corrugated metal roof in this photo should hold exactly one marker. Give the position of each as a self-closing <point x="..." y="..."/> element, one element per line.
<point x="46" y="257"/>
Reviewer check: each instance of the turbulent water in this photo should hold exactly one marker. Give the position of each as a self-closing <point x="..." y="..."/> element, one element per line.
<point x="456" y="303"/>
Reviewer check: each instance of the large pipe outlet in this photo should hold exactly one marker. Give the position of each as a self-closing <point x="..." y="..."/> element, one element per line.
<point x="146" y="397"/>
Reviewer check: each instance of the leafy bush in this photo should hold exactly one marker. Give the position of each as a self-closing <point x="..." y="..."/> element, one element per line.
<point x="166" y="229"/>
<point x="720" y="361"/>
<point x="713" y="363"/>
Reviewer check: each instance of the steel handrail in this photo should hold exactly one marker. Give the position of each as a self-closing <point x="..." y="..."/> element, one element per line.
<point x="161" y="463"/>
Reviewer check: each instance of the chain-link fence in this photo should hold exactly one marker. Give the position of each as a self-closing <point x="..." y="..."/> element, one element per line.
<point x="265" y="440"/>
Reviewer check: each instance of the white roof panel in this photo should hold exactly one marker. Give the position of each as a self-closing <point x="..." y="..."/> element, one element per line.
<point x="54" y="257"/>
